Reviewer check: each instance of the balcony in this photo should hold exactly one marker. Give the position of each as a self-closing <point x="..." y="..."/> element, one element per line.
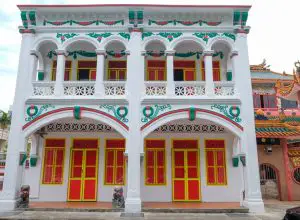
<point x="190" y="88"/>
<point x="224" y="89"/>
<point x="78" y="88"/>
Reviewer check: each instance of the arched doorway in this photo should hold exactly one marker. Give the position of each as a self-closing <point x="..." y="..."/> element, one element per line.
<point x="269" y="181"/>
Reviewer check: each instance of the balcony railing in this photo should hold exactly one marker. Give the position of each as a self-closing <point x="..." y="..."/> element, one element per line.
<point x="224" y="88"/>
<point x="43" y="88"/>
<point x="114" y="88"/>
<point x="77" y="88"/>
<point x="190" y="88"/>
<point x="2" y="160"/>
<point x="155" y="88"/>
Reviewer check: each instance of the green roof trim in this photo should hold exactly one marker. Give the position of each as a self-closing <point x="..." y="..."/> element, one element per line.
<point x="273" y="129"/>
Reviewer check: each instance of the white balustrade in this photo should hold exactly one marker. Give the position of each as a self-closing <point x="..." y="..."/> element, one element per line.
<point x="114" y="88"/>
<point x="155" y="88"/>
<point x="79" y="88"/>
<point x="190" y="88"/>
<point x="43" y="88"/>
<point x="224" y="88"/>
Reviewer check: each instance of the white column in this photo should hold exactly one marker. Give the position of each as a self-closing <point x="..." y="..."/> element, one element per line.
<point x="33" y="70"/>
<point x="16" y="140"/>
<point x="242" y="75"/>
<point x="209" y="82"/>
<point x="60" y="73"/>
<point x="134" y="86"/>
<point x="170" y="73"/>
<point x="99" y="86"/>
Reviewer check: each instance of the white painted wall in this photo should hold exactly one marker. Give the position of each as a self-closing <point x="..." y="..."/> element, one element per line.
<point x="230" y="193"/>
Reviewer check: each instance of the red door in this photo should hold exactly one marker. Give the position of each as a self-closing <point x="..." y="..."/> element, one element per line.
<point x="186" y="175"/>
<point x="83" y="176"/>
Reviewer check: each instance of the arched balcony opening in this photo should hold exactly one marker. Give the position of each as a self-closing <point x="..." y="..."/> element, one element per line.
<point x="188" y="73"/>
<point x="115" y="71"/>
<point x="222" y="69"/>
<point x="155" y="69"/>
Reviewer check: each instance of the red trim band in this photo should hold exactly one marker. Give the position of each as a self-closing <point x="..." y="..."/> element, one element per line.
<point x="71" y="109"/>
<point x="196" y="110"/>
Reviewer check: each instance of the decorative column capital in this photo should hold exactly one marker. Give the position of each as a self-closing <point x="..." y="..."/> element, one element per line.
<point x="100" y="52"/>
<point x="34" y="53"/>
<point x="238" y="29"/>
<point x="208" y="53"/>
<point x="127" y="52"/>
<point x="234" y="53"/>
<point x="60" y="52"/>
<point x="26" y="31"/>
<point x="170" y="52"/>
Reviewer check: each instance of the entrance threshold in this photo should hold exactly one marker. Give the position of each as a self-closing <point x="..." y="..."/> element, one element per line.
<point x="163" y="207"/>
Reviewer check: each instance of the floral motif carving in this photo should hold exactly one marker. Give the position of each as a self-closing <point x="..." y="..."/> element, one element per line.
<point x="99" y="37"/>
<point x="151" y="112"/>
<point x="232" y="112"/>
<point x="119" y="112"/>
<point x="209" y="35"/>
<point x="34" y="111"/>
<point x="64" y="37"/>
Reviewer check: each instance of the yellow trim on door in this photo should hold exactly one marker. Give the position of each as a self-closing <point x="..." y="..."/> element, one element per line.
<point x="186" y="179"/>
<point x="83" y="178"/>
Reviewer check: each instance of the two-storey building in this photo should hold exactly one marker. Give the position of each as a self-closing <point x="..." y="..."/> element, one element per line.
<point x="154" y="98"/>
<point x="277" y="119"/>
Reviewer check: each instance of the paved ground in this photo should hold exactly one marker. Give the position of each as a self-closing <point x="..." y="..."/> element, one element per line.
<point x="273" y="212"/>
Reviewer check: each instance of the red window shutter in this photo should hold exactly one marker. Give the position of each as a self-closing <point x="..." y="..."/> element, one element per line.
<point x="189" y="75"/>
<point x="203" y="70"/>
<point x="122" y="74"/>
<point x="151" y="75"/>
<point x="211" y="175"/>
<point x="160" y="171"/>
<point x="150" y="167"/>
<point x="156" y="63"/>
<point x="93" y="75"/>
<point x="67" y="75"/>
<point x="220" y="158"/>
<point x="210" y="158"/>
<point x="221" y="175"/>
<point x="161" y="75"/>
<point x="109" y="177"/>
<point x="216" y="71"/>
<point x="112" y="75"/>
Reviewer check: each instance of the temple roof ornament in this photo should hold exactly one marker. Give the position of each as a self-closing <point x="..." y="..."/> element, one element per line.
<point x="292" y="90"/>
<point x="263" y="67"/>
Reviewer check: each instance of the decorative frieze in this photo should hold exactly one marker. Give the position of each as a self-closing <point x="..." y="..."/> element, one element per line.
<point x="119" y="112"/>
<point x="64" y="37"/>
<point x="168" y="35"/>
<point x="185" y="23"/>
<point x="83" y="23"/>
<point x="206" y="36"/>
<point x="190" y="128"/>
<point x="151" y="112"/>
<point x="78" y="127"/>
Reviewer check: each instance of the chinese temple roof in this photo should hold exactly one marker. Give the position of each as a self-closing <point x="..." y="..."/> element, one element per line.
<point x="292" y="90"/>
<point x="280" y="125"/>
<point x="262" y="73"/>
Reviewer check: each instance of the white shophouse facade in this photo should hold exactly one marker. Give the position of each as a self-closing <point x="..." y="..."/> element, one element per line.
<point x="155" y="98"/>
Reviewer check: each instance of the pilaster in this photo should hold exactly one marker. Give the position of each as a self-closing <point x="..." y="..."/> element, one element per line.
<point x="135" y="73"/>
<point x="242" y="75"/>
<point x="16" y="140"/>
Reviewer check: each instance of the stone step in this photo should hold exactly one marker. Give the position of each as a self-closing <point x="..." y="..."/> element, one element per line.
<point x="156" y="210"/>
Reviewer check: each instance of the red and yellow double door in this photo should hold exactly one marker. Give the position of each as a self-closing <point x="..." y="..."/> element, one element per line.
<point x="83" y="175"/>
<point x="185" y="170"/>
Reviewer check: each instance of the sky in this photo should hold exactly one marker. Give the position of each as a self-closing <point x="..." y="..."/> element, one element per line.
<point x="274" y="34"/>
